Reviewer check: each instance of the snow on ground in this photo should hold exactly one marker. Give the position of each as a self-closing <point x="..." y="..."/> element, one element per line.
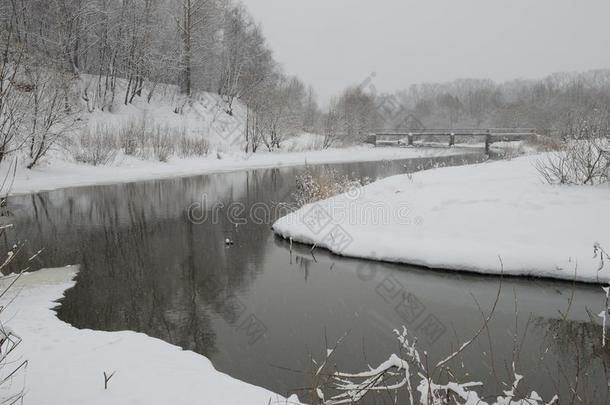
<point x="303" y="142"/>
<point x="55" y="173"/>
<point x="465" y="218"/>
<point x="66" y="365"/>
<point x="201" y="116"/>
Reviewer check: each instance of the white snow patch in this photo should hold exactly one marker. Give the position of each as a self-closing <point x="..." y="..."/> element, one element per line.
<point x="66" y="365"/>
<point x="465" y="218"/>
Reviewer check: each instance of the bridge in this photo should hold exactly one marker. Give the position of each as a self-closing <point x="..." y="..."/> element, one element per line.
<point x="449" y="136"/>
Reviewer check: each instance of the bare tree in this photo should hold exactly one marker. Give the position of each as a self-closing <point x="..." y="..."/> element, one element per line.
<point x="246" y="63"/>
<point x="357" y="112"/>
<point x="48" y="117"/>
<point x="195" y="17"/>
<point x="332" y="125"/>
<point x="284" y="111"/>
<point x="12" y="94"/>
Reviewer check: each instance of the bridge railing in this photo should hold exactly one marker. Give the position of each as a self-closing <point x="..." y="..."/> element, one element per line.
<point x="490" y="136"/>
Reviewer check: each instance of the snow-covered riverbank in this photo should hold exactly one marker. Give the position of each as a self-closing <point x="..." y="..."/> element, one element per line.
<point x="56" y="174"/>
<point x="66" y="365"/>
<point x="465" y="218"/>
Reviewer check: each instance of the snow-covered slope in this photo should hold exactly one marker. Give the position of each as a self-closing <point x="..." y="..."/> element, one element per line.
<point x="466" y="218"/>
<point x="202" y="115"/>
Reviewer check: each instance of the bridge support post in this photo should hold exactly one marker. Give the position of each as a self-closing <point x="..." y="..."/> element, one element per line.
<point x="410" y="139"/>
<point x="451" y="139"/>
<point x="487" y="141"/>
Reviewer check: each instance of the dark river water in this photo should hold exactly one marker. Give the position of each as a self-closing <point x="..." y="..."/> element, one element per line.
<point x="260" y="312"/>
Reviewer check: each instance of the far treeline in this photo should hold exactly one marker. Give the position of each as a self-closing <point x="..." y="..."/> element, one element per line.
<point x="48" y="46"/>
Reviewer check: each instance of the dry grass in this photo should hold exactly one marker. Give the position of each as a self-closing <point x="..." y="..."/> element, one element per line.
<point x="133" y="137"/>
<point x="161" y="143"/>
<point x="544" y="143"/>
<point x="95" y="146"/>
<point x="312" y="187"/>
<point x="101" y="145"/>
<point x="189" y="146"/>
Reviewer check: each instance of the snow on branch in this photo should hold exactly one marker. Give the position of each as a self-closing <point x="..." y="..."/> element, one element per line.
<point x="407" y="370"/>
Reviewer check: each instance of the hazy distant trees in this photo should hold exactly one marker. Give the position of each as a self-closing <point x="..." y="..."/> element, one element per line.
<point x="311" y="111"/>
<point x="541" y="104"/>
<point x="357" y="111"/>
<point x="350" y="117"/>
<point x="451" y="107"/>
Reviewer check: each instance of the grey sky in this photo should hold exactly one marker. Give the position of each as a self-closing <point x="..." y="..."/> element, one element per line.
<point x="334" y="43"/>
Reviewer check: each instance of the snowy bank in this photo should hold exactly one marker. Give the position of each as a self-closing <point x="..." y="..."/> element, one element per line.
<point x="55" y="173"/>
<point x="465" y="218"/>
<point x="66" y="365"/>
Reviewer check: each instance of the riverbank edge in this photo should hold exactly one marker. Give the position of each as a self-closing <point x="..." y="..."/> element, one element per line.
<point x="452" y="250"/>
<point x="146" y="369"/>
<point x="58" y="174"/>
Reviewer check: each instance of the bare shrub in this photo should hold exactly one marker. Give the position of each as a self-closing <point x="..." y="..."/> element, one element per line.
<point x="584" y="161"/>
<point x="422" y="381"/>
<point x="161" y="143"/>
<point x="12" y="365"/>
<point x="585" y="158"/>
<point x="311" y="187"/>
<point x="554" y="168"/>
<point x="413" y="372"/>
<point x="133" y="138"/>
<point x="190" y="146"/>
<point x="95" y="146"/>
<point x="157" y="142"/>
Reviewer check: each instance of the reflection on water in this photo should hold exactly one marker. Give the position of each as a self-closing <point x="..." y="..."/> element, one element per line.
<point x="260" y="310"/>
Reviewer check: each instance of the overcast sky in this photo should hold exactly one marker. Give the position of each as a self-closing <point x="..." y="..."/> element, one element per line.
<point x="335" y="43"/>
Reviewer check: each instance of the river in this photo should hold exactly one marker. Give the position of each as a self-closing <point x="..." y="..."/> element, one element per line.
<point x="260" y="310"/>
